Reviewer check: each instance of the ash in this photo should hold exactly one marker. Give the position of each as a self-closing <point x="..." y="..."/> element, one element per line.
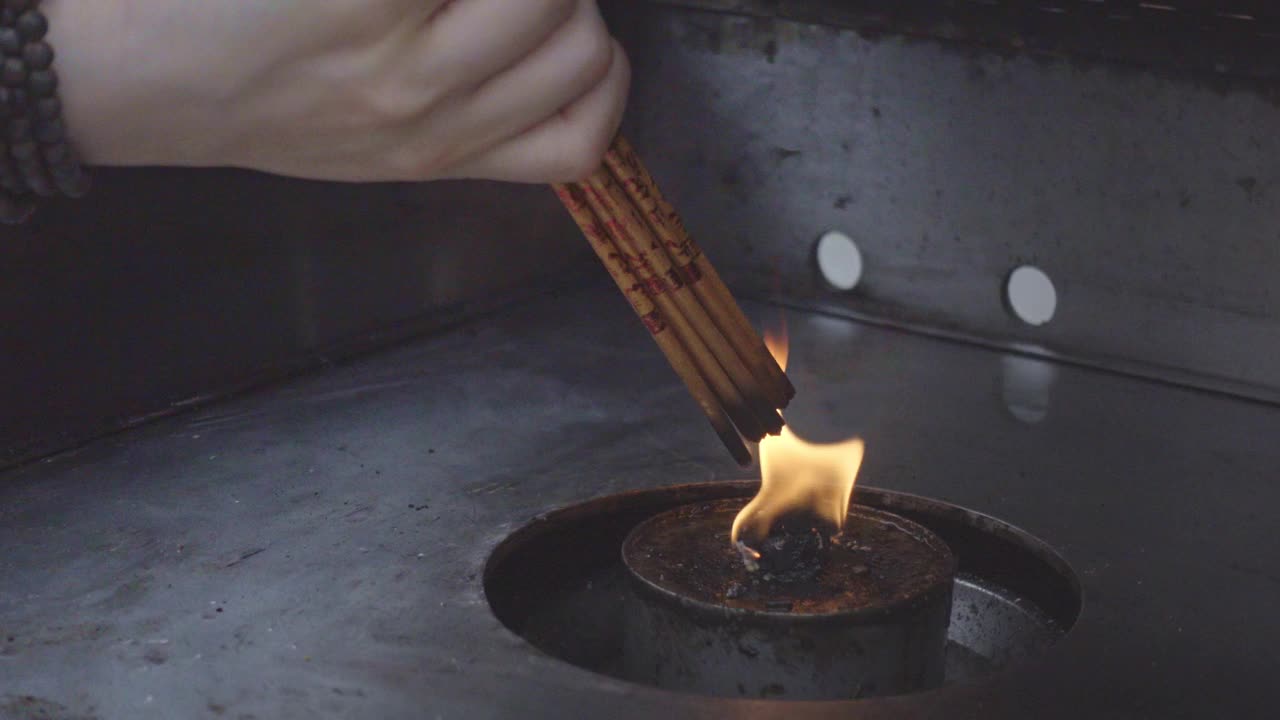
<point x="795" y="551"/>
<point x="793" y="557"/>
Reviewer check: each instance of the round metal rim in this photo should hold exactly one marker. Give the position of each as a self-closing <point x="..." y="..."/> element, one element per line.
<point x="844" y="617"/>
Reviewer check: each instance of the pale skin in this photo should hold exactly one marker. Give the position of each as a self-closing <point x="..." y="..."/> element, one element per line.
<point x="348" y="90"/>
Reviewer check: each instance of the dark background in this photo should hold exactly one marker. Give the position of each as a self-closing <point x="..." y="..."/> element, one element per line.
<point x="1130" y="151"/>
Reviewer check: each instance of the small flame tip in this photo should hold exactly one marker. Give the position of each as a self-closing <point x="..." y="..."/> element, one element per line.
<point x="796" y="474"/>
<point x="750" y="557"/>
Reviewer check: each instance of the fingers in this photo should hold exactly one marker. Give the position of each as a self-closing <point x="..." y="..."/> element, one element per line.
<point x="568" y="145"/>
<point x="466" y="42"/>
<point x="573" y="61"/>
<point x="548" y="94"/>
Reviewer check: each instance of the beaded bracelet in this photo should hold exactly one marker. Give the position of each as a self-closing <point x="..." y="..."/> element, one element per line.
<point x="36" y="157"/>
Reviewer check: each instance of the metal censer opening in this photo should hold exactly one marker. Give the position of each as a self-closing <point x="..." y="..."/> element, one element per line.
<point x="920" y="594"/>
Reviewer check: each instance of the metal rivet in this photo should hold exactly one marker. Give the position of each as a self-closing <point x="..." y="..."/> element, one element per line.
<point x="1031" y="296"/>
<point x="839" y="261"/>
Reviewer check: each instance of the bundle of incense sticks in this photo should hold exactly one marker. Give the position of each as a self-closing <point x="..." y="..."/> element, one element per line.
<point x="681" y="299"/>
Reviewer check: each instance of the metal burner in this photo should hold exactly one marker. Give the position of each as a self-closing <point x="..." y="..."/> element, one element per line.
<point x="871" y="621"/>
<point x="562" y="583"/>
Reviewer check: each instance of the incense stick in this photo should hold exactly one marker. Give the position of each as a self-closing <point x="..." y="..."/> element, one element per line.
<point x="680" y="298"/>
<point x="575" y="199"/>
<point x="667" y="226"/>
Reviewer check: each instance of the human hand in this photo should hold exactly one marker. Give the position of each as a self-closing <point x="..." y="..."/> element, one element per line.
<point x="354" y="90"/>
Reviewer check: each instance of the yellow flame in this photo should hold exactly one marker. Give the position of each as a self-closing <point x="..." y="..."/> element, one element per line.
<point x="779" y="344"/>
<point x="798" y="475"/>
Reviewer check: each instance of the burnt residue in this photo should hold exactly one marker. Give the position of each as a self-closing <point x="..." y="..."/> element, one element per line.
<point x="30" y="707"/>
<point x="796" y="551"/>
<point x="1222" y="49"/>
<point x="1249" y="185"/>
<point x="561" y="584"/>
<point x="878" y="562"/>
<point x="14" y="643"/>
<point x="245" y="556"/>
<point x="782" y="154"/>
<point x="771" y="51"/>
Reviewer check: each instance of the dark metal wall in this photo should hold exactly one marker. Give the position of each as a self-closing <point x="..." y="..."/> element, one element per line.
<point x="953" y="139"/>
<point x="166" y="287"/>
<point x="1149" y="194"/>
<point x="1223" y="38"/>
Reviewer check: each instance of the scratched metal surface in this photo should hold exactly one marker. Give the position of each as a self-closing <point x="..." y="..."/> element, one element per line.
<point x="314" y="550"/>
<point x="1149" y="197"/>
<point x="167" y="287"/>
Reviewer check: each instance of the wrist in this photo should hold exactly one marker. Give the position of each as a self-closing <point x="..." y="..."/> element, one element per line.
<point x="125" y="99"/>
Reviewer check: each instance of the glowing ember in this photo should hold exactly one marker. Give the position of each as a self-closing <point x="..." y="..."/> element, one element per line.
<point x="797" y="476"/>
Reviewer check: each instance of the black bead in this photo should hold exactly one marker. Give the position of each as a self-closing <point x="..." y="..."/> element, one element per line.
<point x="67" y="167"/>
<point x="50" y="131"/>
<point x="13" y="72"/>
<point x="42" y="83"/>
<point x="10" y="41"/>
<point x="47" y="108"/>
<point x="31" y="25"/>
<point x="21" y="151"/>
<point x="37" y="55"/>
<point x="36" y="156"/>
<point x="56" y="154"/>
<point x="65" y="171"/>
<point x="64" y="168"/>
<point x="37" y="179"/>
<point x="76" y="186"/>
<point x="18" y="129"/>
<point x="40" y="183"/>
<point x="9" y="178"/>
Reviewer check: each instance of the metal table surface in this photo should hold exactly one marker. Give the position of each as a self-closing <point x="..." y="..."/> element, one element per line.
<point x="315" y="549"/>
